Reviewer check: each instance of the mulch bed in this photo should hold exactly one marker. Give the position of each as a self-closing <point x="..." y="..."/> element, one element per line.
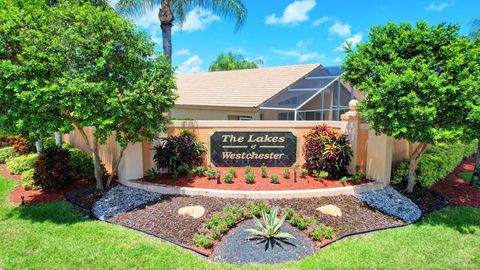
<point x="237" y="248"/>
<point x="85" y="196"/>
<point x="459" y="191"/>
<point x="37" y="196"/>
<point x="428" y="200"/>
<point x="239" y="183"/>
<point x="161" y="219"/>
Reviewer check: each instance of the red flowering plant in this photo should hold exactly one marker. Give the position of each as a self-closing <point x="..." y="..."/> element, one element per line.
<point x="327" y="150"/>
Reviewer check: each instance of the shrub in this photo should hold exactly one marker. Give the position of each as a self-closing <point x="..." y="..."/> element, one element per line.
<point x="199" y="171"/>
<point x="289" y="212"/>
<point x="239" y="212"/>
<point x="250" y="178"/>
<point x="327" y="150"/>
<point x="228" y="178"/>
<point x="5" y="154"/>
<point x="52" y="169"/>
<point x="247" y="169"/>
<point x="319" y="232"/>
<point x="27" y="180"/>
<point x="81" y="164"/>
<point x="203" y="240"/>
<point x="253" y="208"/>
<point x="437" y="162"/>
<point x="274" y="179"/>
<point x="320" y="174"/>
<point x="301" y="220"/>
<point x="264" y="171"/>
<point x="19" y="164"/>
<point x="211" y="174"/>
<point x="20" y="145"/>
<point x="303" y="173"/>
<point x="49" y="142"/>
<point x="174" y="151"/>
<point x="233" y="172"/>
<point x="286" y="173"/>
<point x="152" y="173"/>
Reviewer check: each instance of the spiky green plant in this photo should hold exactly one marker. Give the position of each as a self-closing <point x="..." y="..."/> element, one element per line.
<point x="270" y="228"/>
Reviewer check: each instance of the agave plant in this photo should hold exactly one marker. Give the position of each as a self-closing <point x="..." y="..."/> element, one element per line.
<point x="270" y="228"/>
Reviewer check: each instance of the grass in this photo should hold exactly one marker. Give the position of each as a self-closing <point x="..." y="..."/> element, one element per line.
<point x="55" y="236"/>
<point x="467" y="176"/>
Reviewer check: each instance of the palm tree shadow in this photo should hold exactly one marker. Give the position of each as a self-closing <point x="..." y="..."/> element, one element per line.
<point x="272" y="242"/>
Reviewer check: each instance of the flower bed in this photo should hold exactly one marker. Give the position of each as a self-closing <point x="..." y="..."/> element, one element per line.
<point x="260" y="183"/>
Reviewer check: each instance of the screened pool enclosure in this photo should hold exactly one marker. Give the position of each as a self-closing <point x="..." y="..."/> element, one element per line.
<point x="319" y="96"/>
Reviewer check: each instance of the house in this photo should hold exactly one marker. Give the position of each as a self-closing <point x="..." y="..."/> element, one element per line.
<point x="301" y="92"/>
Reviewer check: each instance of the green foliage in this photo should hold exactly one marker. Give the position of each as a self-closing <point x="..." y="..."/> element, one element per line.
<point x="303" y="173"/>
<point x="237" y="210"/>
<point x="286" y="173"/>
<point x="420" y="82"/>
<point x="81" y="164"/>
<point x="250" y="178"/>
<point x="289" y="212"/>
<point x="200" y="171"/>
<point x="353" y="178"/>
<point x="247" y="169"/>
<point x="270" y="228"/>
<point x="301" y="220"/>
<point x="274" y="179"/>
<point x="233" y="172"/>
<point x="202" y="240"/>
<point x="319" y="232"/>
<point x="264" y="171"/>
<point x="436" y="163"/>
<point x="233" y="61"/>
<point x="152" y="173"/>
<point x="320" y="174"/>
<point x="49" y="142"/>
<point x="467" y="176"/>
<point x="211" y="173"/>
<point x="52" y="169"/>
<point x="228" y="178"/>
<point x="27" y="179"/>
<point x="19" y="164"/>
<point x="84" y="65"/>
<point x="6" y="153"/>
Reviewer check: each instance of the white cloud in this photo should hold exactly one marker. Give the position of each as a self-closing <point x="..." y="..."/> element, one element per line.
<point x="149" y="19"/>
<point x="303" y="44"/>
<point x="182" y="52"/>
<point x="197" y="19"/>
<point x="302" y="57"/>
<point x="294" y="13"/>
<point x="354" y="40"/>
<point x="321" y="21"/>
<point x="340" y="29"/>
<point x="191" y="65"/>
<point x="337" y="60"/>
<point x="437" y="7"/>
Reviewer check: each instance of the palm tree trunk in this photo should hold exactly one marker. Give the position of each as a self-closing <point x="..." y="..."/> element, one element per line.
<point x="166" y="17"/>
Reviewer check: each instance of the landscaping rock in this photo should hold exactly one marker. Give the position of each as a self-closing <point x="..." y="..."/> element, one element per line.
<point x="237" y="248"/>
<point x="122" y="199"/>
<point x="391" y="202"/>
<point x="331" y="210"/>
<point x="196" y="211"/>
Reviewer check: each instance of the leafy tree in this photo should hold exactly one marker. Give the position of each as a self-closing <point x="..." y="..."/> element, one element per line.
<point x="171" y="10"/>
<point x="475" y="34"/>
<point x="78" y="66"/>
<point x="233" y="61"/>
<point x="420" y="83"/>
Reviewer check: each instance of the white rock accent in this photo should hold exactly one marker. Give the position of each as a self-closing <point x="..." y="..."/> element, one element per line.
<point x="331" y="210"/>
<point x="196" y="211"/>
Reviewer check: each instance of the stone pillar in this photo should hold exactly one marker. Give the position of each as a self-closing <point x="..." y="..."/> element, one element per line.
<point x="379" y="157"/>
<point x="131" y="166"/>
<point x="352" y="119"/>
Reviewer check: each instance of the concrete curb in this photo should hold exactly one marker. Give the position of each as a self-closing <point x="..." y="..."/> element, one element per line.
<point x="253" y="194"/>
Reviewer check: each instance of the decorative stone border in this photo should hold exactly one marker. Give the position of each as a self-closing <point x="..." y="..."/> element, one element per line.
<point x="254" y="195"/>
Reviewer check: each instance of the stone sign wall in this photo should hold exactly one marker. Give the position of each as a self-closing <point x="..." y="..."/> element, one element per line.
<point x="253" y="148"/>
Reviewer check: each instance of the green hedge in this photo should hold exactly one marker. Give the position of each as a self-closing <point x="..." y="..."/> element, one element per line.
<point x="5" y="154"/>
<point x="27" y="179"/>
<point x="19" y="164"/>
<point x="437" y="162"/>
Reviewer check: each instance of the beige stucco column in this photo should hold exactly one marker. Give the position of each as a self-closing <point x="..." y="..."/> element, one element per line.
<point x="379" y="157"/>
<point x="352" y="121"/>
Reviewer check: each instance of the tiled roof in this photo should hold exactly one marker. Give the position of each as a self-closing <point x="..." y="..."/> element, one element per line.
<point x="238" y="88"/>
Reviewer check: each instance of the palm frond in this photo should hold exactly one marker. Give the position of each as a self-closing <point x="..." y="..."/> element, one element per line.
<point x="136" y="7"/>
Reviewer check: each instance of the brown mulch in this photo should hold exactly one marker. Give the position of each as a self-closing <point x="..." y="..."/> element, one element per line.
<point x="428" y="200"/>
<point x="459" y="191"/>
<point x="239" y="183"/>
<point x="85" y="196"/>
<point x="161" y="219"/>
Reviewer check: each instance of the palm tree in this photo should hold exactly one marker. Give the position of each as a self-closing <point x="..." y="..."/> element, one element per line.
<point x="475" y="31"/>
<point x="233" y="61"/>
<point x="171" y="10"/>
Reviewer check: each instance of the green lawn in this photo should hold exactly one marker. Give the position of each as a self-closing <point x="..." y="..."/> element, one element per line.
<point x="54" y="236"/>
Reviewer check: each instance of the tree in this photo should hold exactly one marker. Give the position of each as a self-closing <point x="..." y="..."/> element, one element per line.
<point x="475" y="34"/>
<point x="420" y="83"/>
<point x="171" y="10"/>
<point x="233" y="61"/>
<point x="76" y="66"/>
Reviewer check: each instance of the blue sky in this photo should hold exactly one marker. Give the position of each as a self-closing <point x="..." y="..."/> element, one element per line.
<point x="287" y="32"/>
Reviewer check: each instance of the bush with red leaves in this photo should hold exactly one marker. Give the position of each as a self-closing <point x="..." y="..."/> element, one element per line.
<point x="20" y="145"/>
<point x="327" y="150"/>
<point x="53" y="170"/>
